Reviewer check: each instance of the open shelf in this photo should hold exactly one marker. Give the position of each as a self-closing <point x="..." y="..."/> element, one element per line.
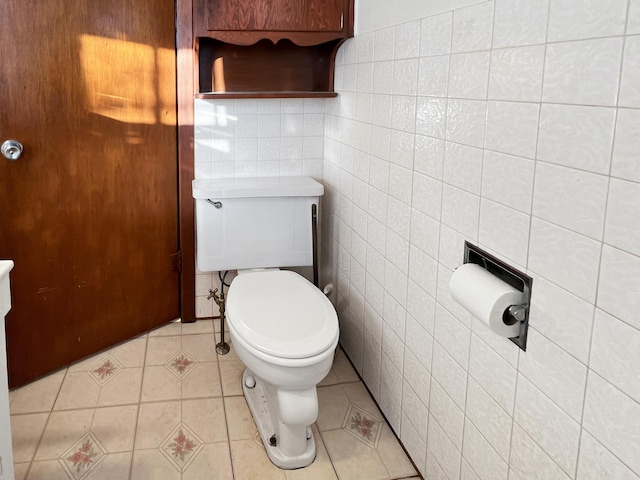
<point x="265" y="69"/>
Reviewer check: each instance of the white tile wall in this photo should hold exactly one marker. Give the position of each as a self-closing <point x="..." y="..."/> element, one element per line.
<point x="514" y="125"/>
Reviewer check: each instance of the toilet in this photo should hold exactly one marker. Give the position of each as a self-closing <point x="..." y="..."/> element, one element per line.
<point x="283" y="328"/>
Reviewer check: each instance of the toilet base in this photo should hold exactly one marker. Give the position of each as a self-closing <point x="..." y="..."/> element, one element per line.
<point x="258" y="402"/>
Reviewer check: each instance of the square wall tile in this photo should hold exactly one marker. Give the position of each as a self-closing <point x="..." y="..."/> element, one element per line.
<point x="520" y="22"/>
<point x="512" y="127"/>
<point x="516" y="74"/>
<point x="630" y="82"/>
<point x="472" y="28"/>
<point x="564" y="257"/>
<point x="622" y="229"/>
<point x="463" y="167"/>
<point x="633" y="21"/>
<point x="615" y="352"/>
<point x="596" y="462"/>
<point x="435" y="34"/>
<point x="626" y="149"/>
<point x="504" y="231"/>
<point x="433" y="76"/>
<point x="569" y="20"/>
<point x="482" y="457"/>
<point x="466" y="121"/>
<point x="618" y="269"/>
<point x="571" y="198"/>
<point x="469" y="75"/>
<point x="613" y="419"/>
<point x="508" y="180"/>
<point x="584" y="72"/>
<point x="576" y="136"/>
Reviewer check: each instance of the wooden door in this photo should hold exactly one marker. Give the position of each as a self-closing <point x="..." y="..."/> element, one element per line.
<point x="89" y="213"/>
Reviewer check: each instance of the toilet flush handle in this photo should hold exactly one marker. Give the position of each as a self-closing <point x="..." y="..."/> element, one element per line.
<point x="214" y="203"/>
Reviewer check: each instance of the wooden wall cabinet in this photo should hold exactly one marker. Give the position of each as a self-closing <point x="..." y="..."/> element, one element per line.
<point x="268" y="48"/>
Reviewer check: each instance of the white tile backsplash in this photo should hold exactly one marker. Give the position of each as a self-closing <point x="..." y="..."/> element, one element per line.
<point x="512" y="124"/>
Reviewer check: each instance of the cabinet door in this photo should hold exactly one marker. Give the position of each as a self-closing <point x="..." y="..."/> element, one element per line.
<point x="276" y="15"/>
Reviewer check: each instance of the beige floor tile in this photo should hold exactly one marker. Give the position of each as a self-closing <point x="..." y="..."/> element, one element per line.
<point x="359" y="396"/>
<point x="86" y="363"/>
<point x="159" y="384"/>
<point x="131" y="353"/>
<point x="155" y="422"/>
<point x="205" y="417"/>
<point x="79" y="390"/>
<point x="124" y="389"/>
<point x="115" y="466"/>
<point x="330" y="379"/>
<point x="231" y="377"/>
<point x="38" y="396"/>
<point x="20" y="470"/>
<point x="353" y="460"/>
<point x="393" y="456"/>
<point x="48" y="469"/>
<point x="204" y="325"/>
<point x="333" y="404"/>
<point x="26" y="432"/>
<point x="151" y="464"/>
<point x="239" y="419"/>
<point x="212" y="463"/>
<point x="115" y="427"/>
<point x="231" y="355"/>
<point x="201" y="347"/>
<point x="343" y="368"/>
<point x="250" y="462"/>
<point x="170" y="329"/>
<point x="161" y="349"/>
<point x="63" y="430"/>
<point x="202" y="381"/>
<point x="321" y="468"/>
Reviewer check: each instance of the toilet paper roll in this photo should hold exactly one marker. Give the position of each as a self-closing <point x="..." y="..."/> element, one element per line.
<point x="486" y="297"/>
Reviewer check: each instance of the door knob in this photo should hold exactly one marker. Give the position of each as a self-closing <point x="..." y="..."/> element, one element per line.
<point x="12" y="149"/>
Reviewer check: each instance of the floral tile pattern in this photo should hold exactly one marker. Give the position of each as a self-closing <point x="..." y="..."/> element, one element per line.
<point x="363" y="426"/>
<point x="105" y="369"/>
<point x="83" y="457"/>
<point x="181" y="447"/>
<point x="180" y="364"/>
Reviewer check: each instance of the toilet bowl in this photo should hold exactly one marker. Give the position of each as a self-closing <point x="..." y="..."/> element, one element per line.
<point x="285" y="331"/>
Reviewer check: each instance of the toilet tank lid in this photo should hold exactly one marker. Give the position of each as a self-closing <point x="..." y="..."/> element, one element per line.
<point x="252" y="187"/>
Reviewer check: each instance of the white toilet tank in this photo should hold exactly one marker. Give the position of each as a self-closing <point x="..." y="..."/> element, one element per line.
<point x="254" y="222"/>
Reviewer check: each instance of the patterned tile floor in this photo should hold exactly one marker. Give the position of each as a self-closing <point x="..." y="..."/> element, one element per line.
<point x="165" y="406"/>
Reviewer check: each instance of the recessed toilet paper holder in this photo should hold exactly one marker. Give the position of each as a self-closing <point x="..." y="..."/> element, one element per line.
<point x="511" y="276"/>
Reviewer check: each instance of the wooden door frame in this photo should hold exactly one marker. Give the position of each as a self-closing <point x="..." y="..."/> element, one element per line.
<point x="185" y="90"/>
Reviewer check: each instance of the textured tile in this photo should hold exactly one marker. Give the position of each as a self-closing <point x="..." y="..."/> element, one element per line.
<point x="566" y="258"/>
<point x="26" y="433"/>
<point x="547" y="425"/>
<point x="571" y="198"/>
<point x="435" y="37"/>
<point x="469" y="75"/>
<point x="613" y="419"/>
<point x="512" y="128"/>
<point x="484" y="460"/>
<point x="466" y="120"/>
<point x="620" y="268"/>
<point x="520" y="22"/>
<point x="588" y="19"/>
<point x="596" y="462"/>
<point x="463" y="167"/>
<point x="516" y="74"/>
<point x="626" y="149"/>
<point x="508" y="180"/>
<point x="443" y="451"/>
<point x="530" y="461"/>
<point x="489" y="418"/>
<point x="584" y="72"/>
<point x="622" y="229"/>
<point x="472" y="28"/>
<point x="449" y="417"/>
<point x="38" y="396"/>
<point x="495" y="375"/>
<point x="495" y="220"/>
<point x="615" y="352"/>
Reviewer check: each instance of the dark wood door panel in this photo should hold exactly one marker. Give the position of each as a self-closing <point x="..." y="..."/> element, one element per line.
<point x="89" y="213"/>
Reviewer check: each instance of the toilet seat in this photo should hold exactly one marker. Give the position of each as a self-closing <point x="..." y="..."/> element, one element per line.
<point x="278" y="313"/>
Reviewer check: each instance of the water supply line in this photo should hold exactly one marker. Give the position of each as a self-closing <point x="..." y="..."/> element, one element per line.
<point x="222" y="347"/>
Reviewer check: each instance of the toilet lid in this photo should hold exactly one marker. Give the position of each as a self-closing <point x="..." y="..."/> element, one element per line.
<point x="281" y="314"/>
